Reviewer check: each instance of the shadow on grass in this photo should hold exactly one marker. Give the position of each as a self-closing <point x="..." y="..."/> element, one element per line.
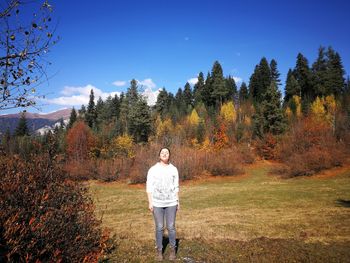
<point x="342" y="202"/>
<point x="166" y="243"/>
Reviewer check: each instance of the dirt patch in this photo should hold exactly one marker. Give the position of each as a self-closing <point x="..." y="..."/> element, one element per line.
<point x="332" y="172"/>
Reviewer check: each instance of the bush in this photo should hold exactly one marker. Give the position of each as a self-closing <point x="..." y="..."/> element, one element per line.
<point x="44" y="216"/>
<point x="309" y="148"/>
<point x="224" y="162"/>
<point x="145" y="157"/>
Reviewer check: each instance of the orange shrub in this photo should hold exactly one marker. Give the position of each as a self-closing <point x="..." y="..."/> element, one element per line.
<point x="309" y="148"/>
<point x="80" y="142"/>
<point x="44" y="216"/>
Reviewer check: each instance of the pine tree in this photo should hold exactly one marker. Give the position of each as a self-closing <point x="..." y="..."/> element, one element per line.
<point x="302" y="74"/>
<point x="188" y="96"/>
<point x="180" y="103"/>
<point x="319" y="73"/>
<point x="22" y="127"/>
<point x="275" y="73"/>
<point x="231" y="88"/>
<point x="72" y="118"/>
<point x="254" y="83"/>
<point x="162" y="103"/>
<point x="82" y="112"/>
<point x="90" y="116"/>
<point x="269" y="117"/>
<point x="207" y="91"/>
<point x="265" y="77"/>
<point x="140" y="121"/>
<point x="219" y="88"/>
<point x="292" y="87"/>
<point x="198" y="89"/>
<point x="335" y="78"/>
<point x="243" y="92"/>
<point x="260" y="80"/>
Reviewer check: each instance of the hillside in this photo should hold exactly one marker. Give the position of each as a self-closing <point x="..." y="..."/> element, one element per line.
<point x="35" y="121"/>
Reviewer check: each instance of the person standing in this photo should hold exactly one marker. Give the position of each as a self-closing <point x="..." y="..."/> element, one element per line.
<point x="162" y="189"/>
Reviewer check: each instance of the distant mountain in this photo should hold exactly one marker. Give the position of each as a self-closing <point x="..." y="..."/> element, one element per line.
<point x="35" y="121"/>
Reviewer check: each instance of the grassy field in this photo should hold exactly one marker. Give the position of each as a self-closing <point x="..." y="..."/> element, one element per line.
<point x="256" y="217"/>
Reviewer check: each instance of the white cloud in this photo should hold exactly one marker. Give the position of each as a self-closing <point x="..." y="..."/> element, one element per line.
<point x="119" y="83"/>
<point x="193" y="81"/>
<point x="147" y="83"/>
<point x="76" y="96"/>
<point x="237" y="79"/>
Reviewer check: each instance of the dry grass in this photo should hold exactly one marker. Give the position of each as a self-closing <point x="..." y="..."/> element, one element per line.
<point x="297" y="216"/>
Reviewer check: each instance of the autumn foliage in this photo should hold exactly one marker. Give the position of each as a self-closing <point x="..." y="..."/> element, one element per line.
<point x="44" y="217"/>
<point x="309" y="148"/>
<point x="80" y="141"/>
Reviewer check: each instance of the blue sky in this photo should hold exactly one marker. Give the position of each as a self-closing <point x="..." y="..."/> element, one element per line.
<point x="104" y="44"/>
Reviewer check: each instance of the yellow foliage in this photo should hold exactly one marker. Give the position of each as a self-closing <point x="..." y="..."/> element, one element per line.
<point x="206" y="145"/>
<point x="297" y="101"/>
<point x="123" y="145"/>
<point x="289" y="112"/>
<point x="317" y="109"/>
<point x="194" y="118"/>
<point x="324" y="109"/>
<point x="228" y="112"/>
<point x="163" y="128"/>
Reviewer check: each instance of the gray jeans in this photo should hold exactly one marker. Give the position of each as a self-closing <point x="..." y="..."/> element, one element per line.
<point x="169" y="213"/>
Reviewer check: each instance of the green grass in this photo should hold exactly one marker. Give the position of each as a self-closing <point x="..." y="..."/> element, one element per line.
<point x="255" y="218"/>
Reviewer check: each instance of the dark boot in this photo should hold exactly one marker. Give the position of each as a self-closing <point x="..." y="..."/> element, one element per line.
<point x="159" y="255"/>
<point x="172" y="254"/>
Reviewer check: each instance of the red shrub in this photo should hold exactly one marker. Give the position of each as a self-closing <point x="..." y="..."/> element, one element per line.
<point x="44" y="216"/>
<point x="309" y="148"/>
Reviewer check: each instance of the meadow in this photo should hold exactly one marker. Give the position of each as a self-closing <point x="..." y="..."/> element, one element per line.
<point x="255" y="217"/>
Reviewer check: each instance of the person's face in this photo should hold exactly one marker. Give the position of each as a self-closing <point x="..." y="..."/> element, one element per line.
<point x="164" y="155"/>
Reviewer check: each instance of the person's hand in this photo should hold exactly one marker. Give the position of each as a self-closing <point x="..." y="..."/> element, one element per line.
<point x="178" y="206"/>
<point x="150" y="207"/>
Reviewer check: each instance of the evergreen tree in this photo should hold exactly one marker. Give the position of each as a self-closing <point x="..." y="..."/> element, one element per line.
<point x="269" y="117"/>
<point x="122" y="122"/>
<point x="319" y="73"/>
<point x="187" y="96"/>
<point x="162" y="103"/>
<point x="72" y="118"/>
<point x="265" y="78"/>
<point x="180" y="103"/>
<point x="132" y="95"/>
<point x="115" y="106"/>
<point x="82" y="112"/>
<point x="275" y="75"/>
<point x="302" y="74"/>
<point x="292" y="87"/>
<point x="335" y="77"/>
<point x="100" y="114"/>
<point x="140" y="120"/>
<point x="22" y="127"/>
<point x="219" y="88"/>
<point x="243" y="92"/>
<point x="254" y="83"/>
<point x="90" y="116"/>
<point x="260" y="80"/>
<point x="231" y="88"/>
<point x="207" y="91"/>
<point x="198" y="89"/>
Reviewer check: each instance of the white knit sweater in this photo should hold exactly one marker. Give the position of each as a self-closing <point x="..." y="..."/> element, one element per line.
<point x="163" y="183"/>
